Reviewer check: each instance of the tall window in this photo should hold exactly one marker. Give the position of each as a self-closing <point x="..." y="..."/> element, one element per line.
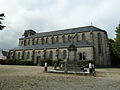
<point x="42" y="40"/>
<point x="52" y="39"/>
<point x="28" y="42"/>
<point x="18" y="55"/>
<point x="83" y="36"/>
<point x="99" y="43"/>
<point x="57" y="53"/>
<point x="82" y="56"/>
<point x="57" y="39"/>
<point x="63" y="37"/>
<point x="76" y="38"/>
<point x="91" y="36"/>
<point x="46" y="39"/>
<point x="21" y="43"/>
<point x="37" y="41"/>
<point x="24" y="42"/>
<point x="28" y="55"/>
<point x="33" y="42"/>
<point x="51" y="54"/>
<point x="69" y="38"/>
<point x="64" y="54"/>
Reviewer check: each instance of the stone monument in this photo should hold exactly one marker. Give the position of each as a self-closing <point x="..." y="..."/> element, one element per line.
<point x="71" y="63"/>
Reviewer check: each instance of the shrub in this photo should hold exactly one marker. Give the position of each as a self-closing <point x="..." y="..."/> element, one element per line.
<point x="58" y="62"/>
<point x="85" y="63"/>
<point x="20" y="62"/>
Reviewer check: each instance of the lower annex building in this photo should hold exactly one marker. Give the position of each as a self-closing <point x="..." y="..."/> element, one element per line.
<point x="91" y="43"/>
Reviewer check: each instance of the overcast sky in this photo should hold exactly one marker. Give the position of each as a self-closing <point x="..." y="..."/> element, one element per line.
<point x="47" y="15"/>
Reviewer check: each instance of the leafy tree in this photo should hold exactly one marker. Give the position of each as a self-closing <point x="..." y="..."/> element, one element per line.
<point x="115" y="48"/>
<point x="1" y="18"/>
<point x="117" y="43"/>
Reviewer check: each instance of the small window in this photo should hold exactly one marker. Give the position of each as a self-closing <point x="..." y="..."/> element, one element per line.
<point x="51" y="54"/>
<point x="52" y="39"/>
<point x="28" y="42"/>
<point x="18" y="55"/>
<point x="42" y="40"/>
<point x="69" y="38"/>
<point x="46" y="39"/>
<point x="91" y="36"/>
<point x="84" y="56"/>
<point x="63" y="37"/>
<point x="57" y="39"/>
<point x="76" y="38"/>
<point x="80" y="56"/>
<point x="37" y="41"/>
<point x="64" y="54"/>
<point x="83" y="36"/>
<point x="28" y="55"/>
<point x="24" y="42"/>
<point x="33" y="42"/>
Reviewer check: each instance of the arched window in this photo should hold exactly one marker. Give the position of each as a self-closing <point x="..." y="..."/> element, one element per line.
<point x="84" y="56"/>
<point x="69" y="38"/>
<point x="33" y="42"/>
<point x="57" y="53"/>
<point x="99" y="43"/>
<point x="80" y="56"/>
<point x="83" y="36"/>
<point x="91" y="35"/>
<point x="42" y="40"/>
<point x="51" y="55"/>
<point x="21" y="43"/>
<point x="24" y="42"/>
<point x="52" y="39"/>
<point x="76" y="38"/>
<point x="63" y="37"/>
<point x="28" y="42"/>
<point x="46" y="39"/>
<point x="57" y="39"/>
<point x="37" y="41"/>
<point x="18" y="55"/>
<point x="38" y="52"/>
<point x="28" y="55"/>
<point x="64" y="54"/>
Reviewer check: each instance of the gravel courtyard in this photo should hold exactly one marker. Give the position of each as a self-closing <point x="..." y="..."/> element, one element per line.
<point x="33" y="78"/>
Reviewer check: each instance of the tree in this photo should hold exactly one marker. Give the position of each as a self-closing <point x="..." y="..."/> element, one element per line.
<point x="115" y="48"/>
<point x="1" y="18"/>
<point x="117" y="42"/>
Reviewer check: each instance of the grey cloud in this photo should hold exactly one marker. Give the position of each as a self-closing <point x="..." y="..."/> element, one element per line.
<point x="47" y="15"/>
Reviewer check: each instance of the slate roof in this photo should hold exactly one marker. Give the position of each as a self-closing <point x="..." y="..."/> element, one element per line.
<point x="66" y="31"/>
<point x="56" y="45"/>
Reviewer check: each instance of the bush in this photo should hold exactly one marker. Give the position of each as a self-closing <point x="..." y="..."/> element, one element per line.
<point x="58" y="62"/>
<point x="85" y="63"/>
<point x="20" y="62"/>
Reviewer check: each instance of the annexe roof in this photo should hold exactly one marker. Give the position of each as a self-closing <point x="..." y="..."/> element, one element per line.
<point x="52" y="46"/>
<point x="66" y="31"/>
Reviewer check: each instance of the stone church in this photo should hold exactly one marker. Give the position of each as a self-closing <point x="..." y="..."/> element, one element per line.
<point x="91" y="43"/>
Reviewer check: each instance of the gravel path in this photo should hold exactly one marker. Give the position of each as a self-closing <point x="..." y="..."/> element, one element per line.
<point x="32" y="78"/>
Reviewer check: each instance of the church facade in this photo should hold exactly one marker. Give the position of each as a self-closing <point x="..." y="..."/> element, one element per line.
<point x="91" y="43"/>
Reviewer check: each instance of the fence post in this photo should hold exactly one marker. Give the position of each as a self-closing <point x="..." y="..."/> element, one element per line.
<point x="45" y="67"/>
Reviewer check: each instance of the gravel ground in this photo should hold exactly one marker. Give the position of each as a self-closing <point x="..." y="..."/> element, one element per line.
<point x="33" y="78"/>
